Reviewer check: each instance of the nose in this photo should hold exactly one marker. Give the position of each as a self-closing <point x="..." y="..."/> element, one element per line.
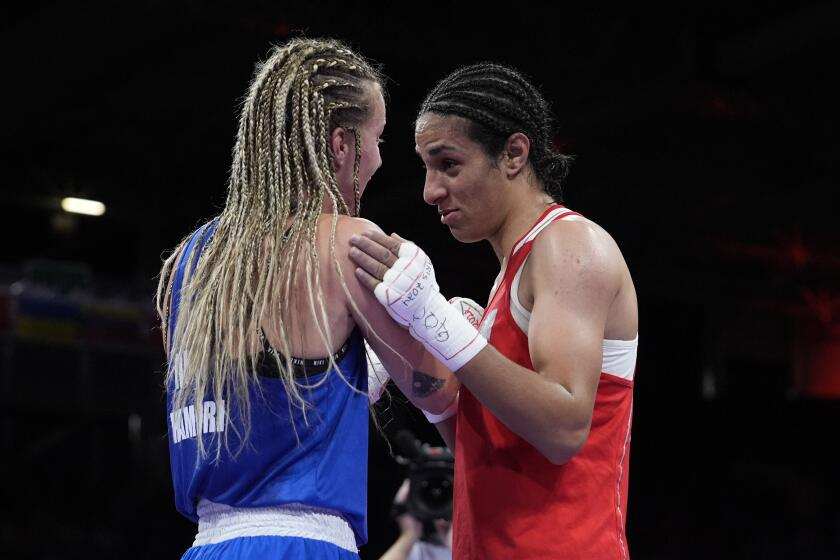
<point x="433" y="191"/>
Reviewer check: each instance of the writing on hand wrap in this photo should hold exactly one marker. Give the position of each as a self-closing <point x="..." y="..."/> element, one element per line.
<point x="432" y="323"/>
<point x="412" y="298"/>
<point x="411" y="295"/>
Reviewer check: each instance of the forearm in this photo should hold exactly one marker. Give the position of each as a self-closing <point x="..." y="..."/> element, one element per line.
<point x="400" y="549"/>
<point x="540" y="410"/>
<point x="550" y="406"/>
<point x="446" y="429"/>
<point x="423" y="380"/>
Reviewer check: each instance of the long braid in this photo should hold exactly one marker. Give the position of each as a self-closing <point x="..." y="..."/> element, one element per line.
<point x="357" y="162"/>
<point x="265" y="237"/>
<point x="499" y="101"/>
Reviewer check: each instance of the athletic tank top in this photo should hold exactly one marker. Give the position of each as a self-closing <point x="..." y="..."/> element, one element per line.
<point x="320" y="462"/>
<point x="509" y="500"/>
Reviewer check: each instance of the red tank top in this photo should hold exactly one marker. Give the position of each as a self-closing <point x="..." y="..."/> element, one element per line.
<point x="510" y="502"/>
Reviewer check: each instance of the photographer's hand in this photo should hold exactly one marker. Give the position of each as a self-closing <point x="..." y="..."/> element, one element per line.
<point x="410" y="529"/>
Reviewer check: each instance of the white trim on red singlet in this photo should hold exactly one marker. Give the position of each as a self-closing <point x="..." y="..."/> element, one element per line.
<point x="618" y="357"/>
<point x="539" y="226"/>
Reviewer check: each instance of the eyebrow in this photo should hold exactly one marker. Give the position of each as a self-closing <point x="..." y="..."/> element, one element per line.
<point x="437" y="149"/>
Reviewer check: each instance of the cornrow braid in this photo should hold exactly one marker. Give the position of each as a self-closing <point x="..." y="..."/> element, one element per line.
<point x="282" y="176"/>
<point x="498" y="101"/>
<point x="357" y="162"/>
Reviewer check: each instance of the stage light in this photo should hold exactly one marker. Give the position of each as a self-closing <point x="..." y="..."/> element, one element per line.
<point x="82" y="206"/>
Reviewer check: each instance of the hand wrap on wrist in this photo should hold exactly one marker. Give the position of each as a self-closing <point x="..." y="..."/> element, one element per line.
<point x="411" y="296"/>
<point x="377" y="375"/>
<point x="450" y="411"/>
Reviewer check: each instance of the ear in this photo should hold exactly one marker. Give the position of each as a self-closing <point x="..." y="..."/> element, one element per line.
<point x="340" y="147"/>
<point x="515" y="155"/>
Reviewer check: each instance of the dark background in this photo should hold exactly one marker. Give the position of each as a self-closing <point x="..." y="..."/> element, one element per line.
<point x="705" y="142"/>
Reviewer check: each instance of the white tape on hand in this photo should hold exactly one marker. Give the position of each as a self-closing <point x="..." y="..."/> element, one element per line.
<point x="407" y="284"/>
<point x="450" y="411"/>
<point x="377" y="375"/>
<point x="411" y="295"/>
<point x="473" y="313"/>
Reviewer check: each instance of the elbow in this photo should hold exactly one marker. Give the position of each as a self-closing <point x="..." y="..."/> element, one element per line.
<point x="560" y="455"/>
<point x="565" y="445"/>
<point x="441" y="398"/>
<point x="441" y="403"/>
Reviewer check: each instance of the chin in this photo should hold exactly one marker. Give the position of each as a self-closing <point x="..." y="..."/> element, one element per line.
<point x="464" y="236"/>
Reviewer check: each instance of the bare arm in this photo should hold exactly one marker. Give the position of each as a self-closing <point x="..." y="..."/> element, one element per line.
<point x="410" y="529"/>
<point x="574" y="277"/>
<point x="446" y="429"/>
<point x="574" y="280"/>
<point x="403" y="545"/>
<point x="421" y="378"/>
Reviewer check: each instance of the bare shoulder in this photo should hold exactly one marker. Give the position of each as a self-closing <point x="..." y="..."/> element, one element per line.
<point x="335" y="255"/>
<point x="579" y="250"/>
<point x="337" y="243"/>
<point x="346" y="227"/>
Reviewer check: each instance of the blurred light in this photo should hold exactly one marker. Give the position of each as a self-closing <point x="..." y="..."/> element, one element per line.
<point x="817" y="361"/>
<point x="82" y="206"/>
<point x="135" y="425"/>
<point x="709" y="384"/>
<point x="64" y="223"/>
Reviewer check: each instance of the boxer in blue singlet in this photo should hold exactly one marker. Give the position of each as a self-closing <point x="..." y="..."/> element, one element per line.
<point x="265" y="321"/>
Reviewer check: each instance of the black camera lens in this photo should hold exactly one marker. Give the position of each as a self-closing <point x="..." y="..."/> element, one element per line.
<point x="430" y="496"/>
<point x="430" y="475"/>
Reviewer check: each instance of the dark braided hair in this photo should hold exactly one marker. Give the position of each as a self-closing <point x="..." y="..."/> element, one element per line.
<point x="498" y="101"/>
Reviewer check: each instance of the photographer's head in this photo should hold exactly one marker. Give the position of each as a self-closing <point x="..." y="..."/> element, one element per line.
<point x="430" y="473"/>
<point x="426" y="495"/>
<point x="436" y="531"/>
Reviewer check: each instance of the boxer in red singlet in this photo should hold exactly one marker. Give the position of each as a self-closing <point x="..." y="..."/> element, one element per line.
<point x="542" y="430"/>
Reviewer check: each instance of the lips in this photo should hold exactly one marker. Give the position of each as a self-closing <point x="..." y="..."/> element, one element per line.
<point x="446" y="215"/>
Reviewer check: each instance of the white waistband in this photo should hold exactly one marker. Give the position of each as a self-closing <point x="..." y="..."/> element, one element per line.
<point x="220" y="522"/>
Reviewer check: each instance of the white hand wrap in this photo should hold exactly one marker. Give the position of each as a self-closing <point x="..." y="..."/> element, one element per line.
<point x="411" y="295"/>
<point x="473" y="312"/>
<point x="450" y="411"/>
<point x="377" y="375"/>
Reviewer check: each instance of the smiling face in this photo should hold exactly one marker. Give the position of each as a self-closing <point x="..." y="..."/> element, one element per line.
<point x="467" y="186"/>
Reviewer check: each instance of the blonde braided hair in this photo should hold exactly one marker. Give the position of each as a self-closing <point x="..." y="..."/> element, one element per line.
<point x="282" y="175"/>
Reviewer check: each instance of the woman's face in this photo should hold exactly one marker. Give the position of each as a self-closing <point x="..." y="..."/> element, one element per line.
<point x="461" y="180"/>
<point x="370" y="133"/>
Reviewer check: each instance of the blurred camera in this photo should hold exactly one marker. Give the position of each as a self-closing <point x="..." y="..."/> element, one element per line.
<point x="430" y="474"/>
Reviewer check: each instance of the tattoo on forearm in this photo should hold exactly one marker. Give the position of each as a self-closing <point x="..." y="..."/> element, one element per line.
<point x="424" y="384"/>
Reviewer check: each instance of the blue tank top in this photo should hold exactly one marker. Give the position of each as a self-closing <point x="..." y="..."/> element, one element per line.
<point x="324" y="467"/>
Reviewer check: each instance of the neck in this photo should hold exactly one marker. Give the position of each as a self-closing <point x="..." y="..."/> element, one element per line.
<point x="327" y="206"/>
<point x="523" y="212"/>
